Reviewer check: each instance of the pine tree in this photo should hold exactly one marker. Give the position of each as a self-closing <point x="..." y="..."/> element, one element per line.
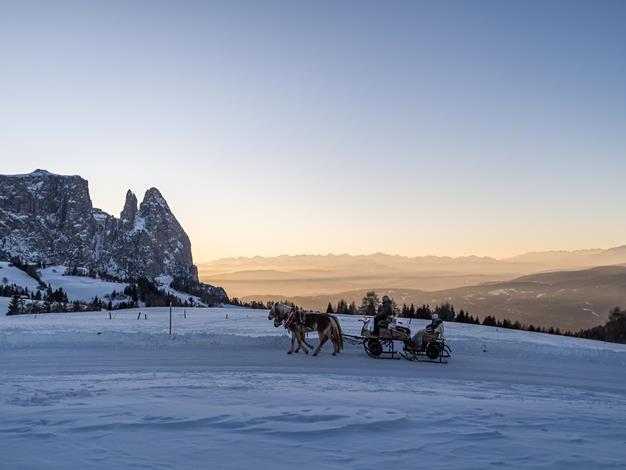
<point x="370" y="304"/>
<point x="329" y="309"/>
<point x="616" y="314"/>
<point x="423" y="312"/>
<point x="14" y="305"/>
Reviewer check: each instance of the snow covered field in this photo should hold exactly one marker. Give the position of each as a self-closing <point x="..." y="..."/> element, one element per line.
<point x="80" y="391"/>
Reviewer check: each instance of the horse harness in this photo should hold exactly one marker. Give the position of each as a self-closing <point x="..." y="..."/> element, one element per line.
<point x="295" y="318"/>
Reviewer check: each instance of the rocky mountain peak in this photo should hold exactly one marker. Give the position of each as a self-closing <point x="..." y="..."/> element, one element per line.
<point x="128" y="214"/>
<point x="154" y="198"/>
<point x="50" y="218"/>
<point x="40" y="172"/>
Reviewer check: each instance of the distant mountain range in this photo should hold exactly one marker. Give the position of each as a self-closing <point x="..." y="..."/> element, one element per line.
<point x="384" y="262"/>
<point x="305" y="275"/>
<point x="573" y="259"/>
<point x="565" y="299"/>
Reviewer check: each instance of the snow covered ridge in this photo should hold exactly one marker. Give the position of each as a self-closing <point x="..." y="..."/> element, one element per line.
<point x="91" y="293"/>
<point x="84" y="391"/>
<point x="48" y="218"/>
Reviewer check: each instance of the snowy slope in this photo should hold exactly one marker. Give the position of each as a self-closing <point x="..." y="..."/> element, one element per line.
<point x="79" y="287"/>
<point x="4" y="305"/>
<point x="16" y="276"/>
<point x="165" y="281"/>
<point x="82" y="391"/>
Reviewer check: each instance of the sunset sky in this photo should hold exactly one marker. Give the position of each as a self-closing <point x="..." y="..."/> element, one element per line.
<point x="449" y="128"/>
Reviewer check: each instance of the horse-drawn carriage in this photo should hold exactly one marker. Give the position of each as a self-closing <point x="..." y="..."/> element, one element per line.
<point x="430" y="346"/>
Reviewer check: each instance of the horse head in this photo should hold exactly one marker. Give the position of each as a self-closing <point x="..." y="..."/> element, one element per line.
<point x="278" y="313"/>
<point x="272" y="314"/>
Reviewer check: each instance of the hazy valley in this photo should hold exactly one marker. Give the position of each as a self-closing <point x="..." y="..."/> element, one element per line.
<point x="556" y="288"/>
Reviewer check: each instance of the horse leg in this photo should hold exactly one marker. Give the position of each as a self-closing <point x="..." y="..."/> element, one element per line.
<point x="303" y="343"/>
<point x="293" y="343"/>
<point x="323" y="338"/>
<point x="332" y="336"/>
<point x="298" y="335"/>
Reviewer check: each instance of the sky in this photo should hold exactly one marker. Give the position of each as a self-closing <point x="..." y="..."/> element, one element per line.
<point x="447" y="128"/>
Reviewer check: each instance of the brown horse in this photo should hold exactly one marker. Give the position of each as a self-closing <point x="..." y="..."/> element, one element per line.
<point x="299" y="323"/>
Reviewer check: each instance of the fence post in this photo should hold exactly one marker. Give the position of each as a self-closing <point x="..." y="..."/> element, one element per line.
<point x="138" y="315"/>
<point x="110" y="318"/>
<point x="170" y="318"/>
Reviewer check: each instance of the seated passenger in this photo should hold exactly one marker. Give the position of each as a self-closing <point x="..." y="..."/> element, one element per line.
<point x="435" y="328"/>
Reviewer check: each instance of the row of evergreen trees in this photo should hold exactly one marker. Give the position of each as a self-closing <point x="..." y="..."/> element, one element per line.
<point x="254" y="304"/>
<point x="151" y="294"/>
<point x="9" y="290"/>
<point x="369" y="306"/>
<point x="209" y="295"/>
<point x="44" y="295"/>
<point x="21" y="305"/>
<point x="614" y="330"/>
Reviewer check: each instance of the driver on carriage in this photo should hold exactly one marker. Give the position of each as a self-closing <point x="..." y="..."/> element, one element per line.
<point x="385" y="312"/>
<point x="435" y="328"/>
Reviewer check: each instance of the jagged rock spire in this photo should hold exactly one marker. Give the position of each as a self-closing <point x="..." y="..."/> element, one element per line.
<point x="128" y="214"/>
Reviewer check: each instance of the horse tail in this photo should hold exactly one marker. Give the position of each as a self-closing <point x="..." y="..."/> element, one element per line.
<point x="337" y="333"/>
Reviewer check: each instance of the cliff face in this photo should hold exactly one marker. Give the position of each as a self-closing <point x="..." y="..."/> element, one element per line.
<point x="148" y="240"/>
<point x="50" y="218"/>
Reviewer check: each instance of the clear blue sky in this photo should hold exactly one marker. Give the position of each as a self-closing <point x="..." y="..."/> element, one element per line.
<point x="288" y="127"/>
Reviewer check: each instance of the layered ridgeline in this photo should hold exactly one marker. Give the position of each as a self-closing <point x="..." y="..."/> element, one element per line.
<point x="48" y="219"/>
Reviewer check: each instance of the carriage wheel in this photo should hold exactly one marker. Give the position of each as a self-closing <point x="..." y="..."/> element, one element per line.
<point x="373" y="347"/>
<point x="433" y="351"/>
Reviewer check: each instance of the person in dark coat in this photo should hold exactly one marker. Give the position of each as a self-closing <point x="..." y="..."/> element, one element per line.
<point x="385" y="312"/>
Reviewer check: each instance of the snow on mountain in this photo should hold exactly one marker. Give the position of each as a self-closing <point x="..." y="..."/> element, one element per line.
<point x="85" y="391"/>
<point x="79" y="287"/>
<point x="4" y="304"/>
<point x="82" y="288"/>
<point x="164" y="283"/>
<point x="12" y="275"/>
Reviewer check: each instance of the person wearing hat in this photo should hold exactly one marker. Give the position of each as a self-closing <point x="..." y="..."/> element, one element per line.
<point x="435" y="328"/>
<point x="385" y="311"/>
